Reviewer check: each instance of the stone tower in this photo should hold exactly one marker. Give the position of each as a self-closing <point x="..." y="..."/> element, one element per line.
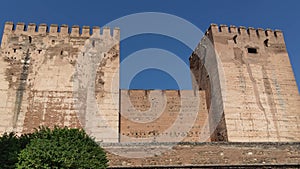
<point x="39" y="72"/>
<point x="247" y="75"/>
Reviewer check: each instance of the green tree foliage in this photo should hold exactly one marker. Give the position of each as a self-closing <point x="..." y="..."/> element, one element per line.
<point x="10" y="146"/>
<point x="9" y="150"/>
<point x="57" y="148"/>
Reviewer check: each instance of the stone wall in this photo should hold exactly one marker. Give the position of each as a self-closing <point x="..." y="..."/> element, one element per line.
<point x="41" y="72"/>
<point x="210" y="155"/>
<point x="163" y="116"/>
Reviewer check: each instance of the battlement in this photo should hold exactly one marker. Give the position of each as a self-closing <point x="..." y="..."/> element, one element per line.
<point x="243" y="31"/>
<point x="56" y="30"/>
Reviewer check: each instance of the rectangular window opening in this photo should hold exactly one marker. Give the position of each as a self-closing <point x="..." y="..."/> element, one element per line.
<point x="252" y="50"/>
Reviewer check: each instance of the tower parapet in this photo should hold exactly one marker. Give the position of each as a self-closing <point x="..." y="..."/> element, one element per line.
<point x="56" y="30"/>
<point x="250" y="32"/>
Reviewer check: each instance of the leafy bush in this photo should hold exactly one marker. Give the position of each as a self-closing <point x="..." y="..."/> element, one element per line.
<point x="9" y="150"/>
<point x="57" y="148"/>
<point x="10" y="147"/>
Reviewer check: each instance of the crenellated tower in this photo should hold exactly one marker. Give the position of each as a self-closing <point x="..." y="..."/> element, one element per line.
<point x="39" y="69"/>
<point x="249" y="72"/>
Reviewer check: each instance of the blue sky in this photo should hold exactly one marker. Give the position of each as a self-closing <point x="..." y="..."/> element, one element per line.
<point x="275" y="14"/>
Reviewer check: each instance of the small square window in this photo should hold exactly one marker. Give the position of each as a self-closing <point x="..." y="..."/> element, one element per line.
<point x="252" y="50"/>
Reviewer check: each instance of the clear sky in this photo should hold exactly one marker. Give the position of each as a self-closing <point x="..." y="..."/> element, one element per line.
<point x="274" y="14"/>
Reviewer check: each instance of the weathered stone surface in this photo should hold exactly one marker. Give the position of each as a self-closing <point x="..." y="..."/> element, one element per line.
<point x="185" y="155"/>
<point x="163" y="116"/>
<point x="39" y="73"/>
<point x="250" y="73"/>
